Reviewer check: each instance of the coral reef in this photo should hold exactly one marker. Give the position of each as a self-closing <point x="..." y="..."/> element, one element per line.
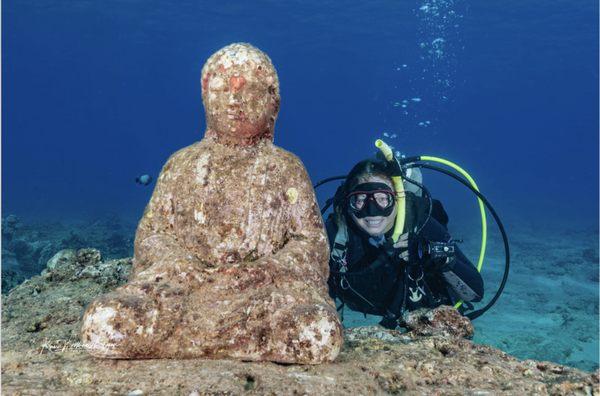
<point x="29" y="252"/>
<point x="443" y="321"/>
<point x="10" y="225"/>
<point x="27" y="247"/>
<point x="41" y="353"/>
<point x="51" y="305"/>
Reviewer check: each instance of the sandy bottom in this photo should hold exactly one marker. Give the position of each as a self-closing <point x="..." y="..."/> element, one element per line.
<point x="549" y="307"/>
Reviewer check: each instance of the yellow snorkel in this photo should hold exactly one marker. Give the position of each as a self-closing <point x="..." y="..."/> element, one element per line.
<point x="398" y="187"/>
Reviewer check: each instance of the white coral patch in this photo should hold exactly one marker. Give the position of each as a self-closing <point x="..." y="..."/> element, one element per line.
<point x="318" y="335"/>
<point x="226" y="61"/>
<point x="102" y="316"/>
<point x="199" y="216"/>
<point x="202" y="168"/>
<point x="153" y="321"/>
<point x="103" y="335"/>
<point x="240" y="55"/>
<point x="216" y="83"/>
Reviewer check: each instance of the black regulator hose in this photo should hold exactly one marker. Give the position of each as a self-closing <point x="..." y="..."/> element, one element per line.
<point x="477" y="313"/>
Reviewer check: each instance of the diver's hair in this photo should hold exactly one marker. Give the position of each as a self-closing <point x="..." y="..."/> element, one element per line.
<point x="362" y="170"/>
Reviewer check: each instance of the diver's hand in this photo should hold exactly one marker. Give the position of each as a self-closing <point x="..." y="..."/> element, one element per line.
<point x="402" y="246"/>
<point x="399" y="251"/>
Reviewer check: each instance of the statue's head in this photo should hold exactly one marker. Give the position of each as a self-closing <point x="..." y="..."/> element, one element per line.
<point x="240" y="92"/>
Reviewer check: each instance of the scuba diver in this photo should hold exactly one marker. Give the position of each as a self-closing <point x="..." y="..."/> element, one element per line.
<point x="372" y="274"/>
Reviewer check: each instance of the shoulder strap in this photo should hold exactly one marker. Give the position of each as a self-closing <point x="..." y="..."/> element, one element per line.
<point x="338" y="250"/>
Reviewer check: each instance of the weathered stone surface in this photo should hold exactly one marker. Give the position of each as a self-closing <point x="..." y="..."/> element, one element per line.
<point x="231" y="257"/>
<point x="373" y="361"/>
<point x="69" y="263"/>
<point x="64" y="258"/>
<point x="444" y="320"/>
<point x="413" y="369"/>
<point x="50" y="306"/>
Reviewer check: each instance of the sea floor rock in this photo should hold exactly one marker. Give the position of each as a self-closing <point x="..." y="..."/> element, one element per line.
<point x="27" y="246"/>
<point x="444" y="320"/>
<point x="41" y="354"/>
<point x="50" y="306"/>
<point x="431" y="365"/>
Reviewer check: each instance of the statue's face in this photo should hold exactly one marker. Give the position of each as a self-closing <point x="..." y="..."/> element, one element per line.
<point x="240" y="91"/>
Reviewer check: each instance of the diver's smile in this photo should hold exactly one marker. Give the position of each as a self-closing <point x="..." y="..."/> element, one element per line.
<point x="374" y="222"/>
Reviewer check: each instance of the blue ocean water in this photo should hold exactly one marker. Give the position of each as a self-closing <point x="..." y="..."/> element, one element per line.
<point x="97" y="93"/>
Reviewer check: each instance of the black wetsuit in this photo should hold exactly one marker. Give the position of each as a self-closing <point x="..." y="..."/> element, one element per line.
<point x="376" y="283"/>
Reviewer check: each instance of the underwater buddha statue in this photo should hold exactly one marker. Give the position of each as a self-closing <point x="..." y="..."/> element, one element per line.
<point x="231" y="258"/>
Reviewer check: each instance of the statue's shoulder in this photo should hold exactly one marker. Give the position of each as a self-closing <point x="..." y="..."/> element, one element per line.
<point x="287" y="159"/>
<point x="184" y="154"/>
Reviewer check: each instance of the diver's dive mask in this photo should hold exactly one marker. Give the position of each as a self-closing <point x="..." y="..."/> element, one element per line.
<point x="371" y="199"/>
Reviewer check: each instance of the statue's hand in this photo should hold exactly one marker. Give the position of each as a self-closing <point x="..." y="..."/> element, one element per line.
<point x="188" y="269"/>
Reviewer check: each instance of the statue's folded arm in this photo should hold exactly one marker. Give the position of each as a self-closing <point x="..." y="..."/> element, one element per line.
<point x="156" y="247"/>
<point x="305" y="253"/>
